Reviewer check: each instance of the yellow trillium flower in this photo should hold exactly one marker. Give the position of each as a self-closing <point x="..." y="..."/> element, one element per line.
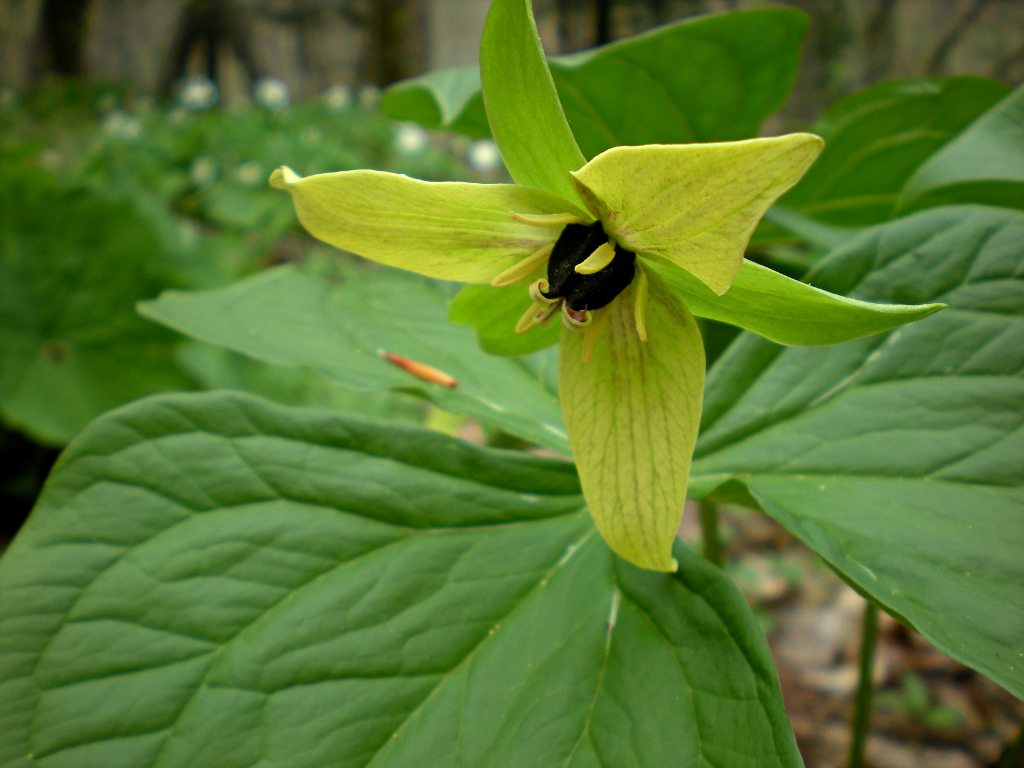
<point x="692" y="206"/>
<point x="584" y="240"/>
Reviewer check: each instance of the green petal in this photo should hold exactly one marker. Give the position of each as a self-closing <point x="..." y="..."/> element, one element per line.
<point x="632" y="414"/>
<point x="693" y="205"/>
<point x="522" y="105"/>
<point x="787" y="311"/>
<point x="449" y="230"/>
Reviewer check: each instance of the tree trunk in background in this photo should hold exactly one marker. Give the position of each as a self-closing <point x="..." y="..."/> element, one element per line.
<point x="397" y="41"/>
<point x="310" y="44"/>
<point x="63" y="30"/>
<point x="213" y="28"/>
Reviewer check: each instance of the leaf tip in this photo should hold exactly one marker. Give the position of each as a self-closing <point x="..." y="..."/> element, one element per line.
<point x="284" y="177"/>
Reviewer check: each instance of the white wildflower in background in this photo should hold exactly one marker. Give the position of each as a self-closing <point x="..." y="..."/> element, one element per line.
<point x="121" y="125"/>
<point x="337" y="97"/>
<point x="197" y="93"/>
<point x="410" y="139"/>
<point x="271" y="93"/>
<point x="202" y="171"/>
<point x="484" y="156"/>
<point x="249" y="173"/>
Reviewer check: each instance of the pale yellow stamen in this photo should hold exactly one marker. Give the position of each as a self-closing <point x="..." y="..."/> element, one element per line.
<point x="598" y="260"/>
<point x="640" y="304"/>
<point x="541" y="310"/>
<point x="545" y="219"/>
<point x="525" y="268"/>
<point x="575" y="320"/>
<point x="537" y="291"/>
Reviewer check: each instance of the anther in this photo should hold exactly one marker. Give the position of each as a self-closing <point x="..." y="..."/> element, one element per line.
<point x="575" y="319"/>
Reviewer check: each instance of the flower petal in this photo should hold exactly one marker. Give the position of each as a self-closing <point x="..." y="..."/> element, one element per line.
<point x="788" y="311"/>
<point x="523" y="109"/>
<point x="449" y="230"/>
<point x="693" y="205"/>
<point x="632" y="414"/>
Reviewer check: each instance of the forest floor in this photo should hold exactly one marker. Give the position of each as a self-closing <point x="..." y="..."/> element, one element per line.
<point x="929" y="711"/>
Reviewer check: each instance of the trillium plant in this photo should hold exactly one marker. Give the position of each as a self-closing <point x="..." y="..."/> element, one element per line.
<point x="301" y="574"/>
<point x="587" y="241"/>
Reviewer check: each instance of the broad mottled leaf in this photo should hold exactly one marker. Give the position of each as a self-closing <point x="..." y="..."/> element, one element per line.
<point x="984" y="164"/>
<point x="340" y="326"/>
<point x="898" y="457"/>
<point x="72" y="267"/>
<point x="210" y="580"/>
<point x="713" y="78"/>
<point x="877" y="138"/>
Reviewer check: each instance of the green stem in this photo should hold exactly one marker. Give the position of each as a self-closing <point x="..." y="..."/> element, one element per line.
<point x="714" y="552"/>
<point x="865" y="686"/>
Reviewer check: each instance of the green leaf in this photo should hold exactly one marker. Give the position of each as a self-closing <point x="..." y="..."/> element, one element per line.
<point x="523" y="110"/>
<point x="876" y="139"/>
<point x="210" y="580"/>
<point x="897" y="458"/>
<point x="984" y="163"/>
<point x="712" y="78"/>
<point x="788" y="311"/>
<point x="71" y="269"/>
<point x="339" y="326"/>
<point x="631" y="389"/>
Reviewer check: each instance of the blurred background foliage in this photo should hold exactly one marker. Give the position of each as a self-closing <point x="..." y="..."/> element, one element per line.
<point x="137" y="136"/>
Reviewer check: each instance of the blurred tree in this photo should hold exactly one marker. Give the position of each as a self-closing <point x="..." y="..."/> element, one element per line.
<point x="210" y="26"/>
<point x="63" y="28"/>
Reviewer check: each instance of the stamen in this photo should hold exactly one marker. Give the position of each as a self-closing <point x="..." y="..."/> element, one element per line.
<point x="538" y="292"/>
<point x="529" y="318"/>
<point x="524" y="268"/>
<point x="541" y="310"/>
<point x="640" y="304"/>
<point x="544" y="219"/>
<point x="598" y="260"/>
<point x="575" y="319"/>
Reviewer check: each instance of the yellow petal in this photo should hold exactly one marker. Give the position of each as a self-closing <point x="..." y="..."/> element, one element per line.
<point x="694" y="205"/>
<point x="632" y="413"/>
<point x="450" y="230"/>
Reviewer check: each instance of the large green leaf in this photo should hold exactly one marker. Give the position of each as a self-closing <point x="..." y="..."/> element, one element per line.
<point x="985" y="163"/>
<point x="72" y="267"/>
<point x="210" y="580"/>
<point x="339" y="327"/>
<point x="898" y="458"/>
<point x="714" y="78"/>
<point x="877" y="138"/>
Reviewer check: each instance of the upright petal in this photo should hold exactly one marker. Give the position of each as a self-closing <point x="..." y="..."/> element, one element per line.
<point x="449" y="230"/>
<point x="522" y="105"/>
<point x="632" y="414"/>
<point x="694" y="205"/>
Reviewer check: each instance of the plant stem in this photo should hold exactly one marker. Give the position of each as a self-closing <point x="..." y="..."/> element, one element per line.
<point x="714" y="552"/>
<point x="865" y="686"/>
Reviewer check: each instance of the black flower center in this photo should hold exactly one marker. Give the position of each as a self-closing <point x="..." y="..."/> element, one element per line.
<point x="580" y="292"/>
